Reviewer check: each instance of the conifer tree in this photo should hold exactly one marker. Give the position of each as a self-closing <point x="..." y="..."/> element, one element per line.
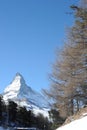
<point x="1" y="108"/>
<point x="69" y="75"/>
<point x="11" y="111"/>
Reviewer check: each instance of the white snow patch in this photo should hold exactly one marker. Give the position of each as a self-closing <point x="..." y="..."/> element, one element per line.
<point x="40" y="111"/>
<point x="80" y="124"/>
<point x="84" y="114"/>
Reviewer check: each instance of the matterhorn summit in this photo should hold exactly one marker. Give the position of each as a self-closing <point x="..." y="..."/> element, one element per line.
<point x="16" y="86"/>
<point x="19" y="92"/>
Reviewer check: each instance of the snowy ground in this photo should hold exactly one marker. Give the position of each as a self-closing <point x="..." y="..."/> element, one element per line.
<point x="2" y="128"/>
<point x="80" y="124"/>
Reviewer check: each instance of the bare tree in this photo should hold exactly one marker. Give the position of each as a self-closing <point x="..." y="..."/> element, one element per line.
<point x="69" y="75"/>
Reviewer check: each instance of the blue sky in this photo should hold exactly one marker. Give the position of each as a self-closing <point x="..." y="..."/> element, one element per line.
<point x="30" y="31"/>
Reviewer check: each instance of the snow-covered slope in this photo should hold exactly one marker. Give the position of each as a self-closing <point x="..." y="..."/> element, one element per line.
<point x="24" y="95"/>
<point x="80" y="124"/>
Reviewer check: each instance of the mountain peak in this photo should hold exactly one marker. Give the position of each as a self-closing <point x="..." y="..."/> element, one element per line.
<point x="18" y="74"/>
<point x="20" y="92"/>
<point x="16" y="85"/>
<point x="18" y="79"/>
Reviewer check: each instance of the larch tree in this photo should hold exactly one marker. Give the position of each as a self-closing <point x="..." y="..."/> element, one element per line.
<point x="69" y="75"/>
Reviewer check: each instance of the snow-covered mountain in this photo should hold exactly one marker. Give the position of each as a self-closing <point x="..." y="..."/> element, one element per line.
<point x="24" y="95"/>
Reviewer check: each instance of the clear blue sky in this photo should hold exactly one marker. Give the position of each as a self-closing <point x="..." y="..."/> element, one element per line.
<point x="30" y="31"/>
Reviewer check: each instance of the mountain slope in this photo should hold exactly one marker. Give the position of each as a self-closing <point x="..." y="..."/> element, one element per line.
<point x="80" y="124"/>
<point x="76" y="121"/>
<point x="24" y="95"/>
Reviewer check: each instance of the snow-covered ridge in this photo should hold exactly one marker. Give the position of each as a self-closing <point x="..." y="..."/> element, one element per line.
<point x="24" y="95"/>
